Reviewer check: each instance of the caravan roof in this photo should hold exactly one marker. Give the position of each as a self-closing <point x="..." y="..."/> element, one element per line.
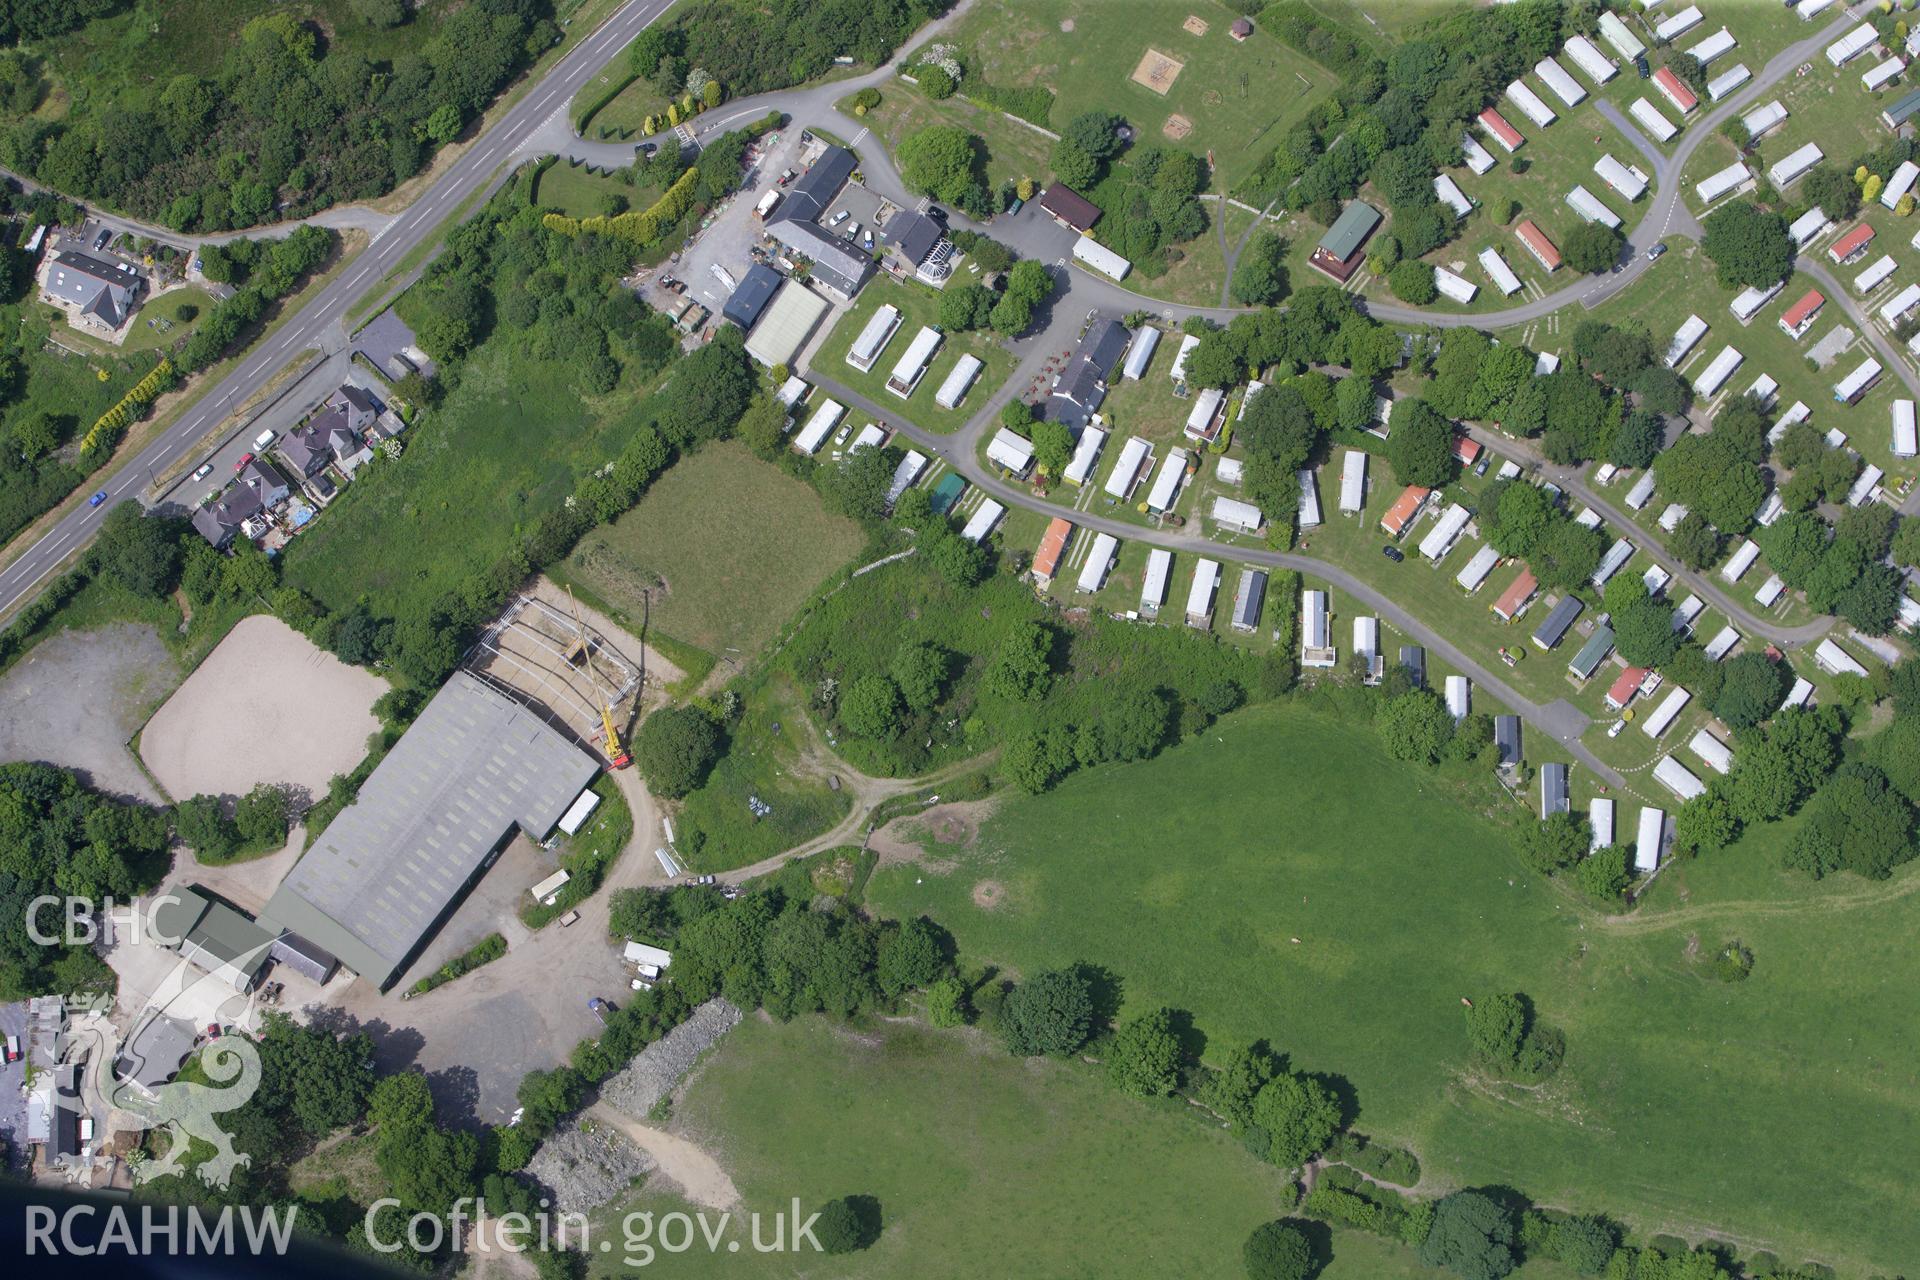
<point x="1597" y="66"/>
<point x="1479" y="159"/>
<point x="1852" y="45"/>
<point x="1677" y="778"/>
<point x="1651" y="120"/>
<point x="1662" y="716"/>
<point x="873" y="339"/>
<point x="1562" y="85"/>
<point x="1010" y="450"/>
<point x="1795" y="163"/>
<point x="1126" y="472"/>
<point x="1611" y="563"/>
<point x="1499" y="272"/>
<point x="1448" y="192"/>
<point x="1625" y="179"/>
<point x="1206" y="577"/>
<point x="1153" y="588"/>
<point x="1178" y="370"/>
<point x="1445" y="532"/>
<point x="1715" y="375"/>
<point x="1173" y="469"/>
<point x="1093" y="571"/>
<point x="984" y="517"/>
<point x="958" y="382"/>
<point x="1653" y="831"/>
<point x="1353" y="480"/>
<point x="818" y="427"/>
<point x="1085" y="454"/>
<point x="1588" y="206"/>
<point x="1742" y="560"/>
<point x="1478" y="568"/>
<point x="1139" y="352"/>
<point x="1599" y="822"/>
<point x="1707" y="50"/>
<point x="1717" y="184"/>
<point x="1457" y="287"/>
<point x="1763" y="120"/>
<point x="1684" y="340"/>
<point x="1531" y="105"/>
<point x="1681" y="23"/>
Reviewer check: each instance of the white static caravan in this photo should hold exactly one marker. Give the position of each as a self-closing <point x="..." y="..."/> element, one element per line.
<point x="1206" y="580"/>
<point x="1482" y="564"/>
<point x="1855" y="384"/>
<point x="1799" y="695"/>
<point x="1794" y="165"/>
<point x="1254" y="388"/>
<point x="1316" y="631"/>
<point x="1445" y="532"/>
<point x="1011" y="450"/>
<point x="1091" y="253"/>
<point x="1206" y="408"/>
<point x="1459" y="697"/>
<point x="1652" y="121"/>
<point x="1742" y="560"/>
<point x="1139" y="352"/>
<point x="1670" y="518"/>
<point x="1713" y="46"/>
<point x="1596" y="66"/>
<point x="1479" y="159"/>
<point x="1249" y="599"/>
<point x="1897" y="306"/>
<point x="1722" y="643"/>
<point x="1499" y="272"/>
<point x="906" y="475"/>
<point x="1684" y="340"/>
<point x="1232" y="513"/>
<point x="1750" y="300"/>
<point x="1178" y="371"/>
<point x="958" y="382"/>
<point x="1623" y="178"/>
<point x="1865" y="487"/>
<point x="1662" y="717"/>
<point x="819" y="427"/>
<point x="1762" y="121"/>
<point x="792" y="392"/>
<point x="1874" y="276"/>
<point x="1677" y="778"/>
<point x="1153" y="589"/>
<point x="1852" y="45"/>
<point x="1904" y="443"/>
<point x="874" y="337"/>
<point x="1093" y="573"/>
<point x="1586" y="517"/>
<point x="1457" y="287"/>
<point x="1559" y="83"/>
<point x="1875" y="76"/>
<point x="1653" y="833"/>
<point x="1715" y="375"/>
<point x="1599" y="823"/>
<point x="1448" y="193"/>
<point x="1834" y="660"/>
<point x="1611" y="563"/>
<point x="1807" y="227"/>
<point x="1309" y="499"/>
<point x="1366" y="647"/>
<point x="1681" y="23"/>
<point x="1166" y="484"/>
<point x="871" y="435"/>
<point x="1136" y="455"/>
<point x="984" y="518"/>
<point x="1353" y="481"/>
<point x="1811" y="9"/>
<point x="1642" y="492"/>
<point x="1764" y="389"/>
<point x="1690" y="608"/>
<point x="1899" y="183"/>
<point x="1770" y="591"/>
<point x="1588" y="206"/>
<point x="1727" y="81"/>
<point x="1086" y="453"/>
<point x="1530" y="103"/>
<point x="1735" y="177"/>
<point x="1656" y="578"/>
<point x="1624" y="42"/>
<point x="912" y="365"/>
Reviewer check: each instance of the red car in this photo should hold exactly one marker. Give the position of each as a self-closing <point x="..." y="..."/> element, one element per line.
<point x="245" y="458"/>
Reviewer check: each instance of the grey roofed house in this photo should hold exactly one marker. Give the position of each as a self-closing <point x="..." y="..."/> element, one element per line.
<point x="1414" y="659"/>
<point x="1249" y="599"/>
<point x="744" y="305"/>
<point x="836" y="263"/>
<point x="218" y="522"/>
<point x="913" y="235"/>
<point x="1593" y="652"/>
<point x="474" y="765"/>
<point x="1553" y="790"/>
<point x="1083" y="383"/>
<point x="813" y="191"/>
<point x="1506" y="738"/>
<point x="322" y="440"/>
<point x="152" y="1055"/>
<point x="105" y="290"/>
<point x="1553" y="628"/>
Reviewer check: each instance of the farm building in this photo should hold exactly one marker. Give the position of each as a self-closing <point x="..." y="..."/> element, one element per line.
<point x="1762" y="121"/>
<point x="1405" y="510"/>
<point x="1208" y="412"/>
<point x="1722" y="643"/>
<point x="1652" y="121"/>
<point x="1588" y="206"/>
<point x="981" y="522"/>
<point x="1599" y="823"/>
<point x="818" y="427"/>
<point x="1506" y="739"/>
<point x="1625" y="688"/>
<point x="1865" y="487"/>
<point x="1899" y="183"/>
<point x="1153" y="586"/>
<point x="1353" y="481"/>
<point x="1445" y="532"/>
<point x="1792" y="166"/>
<point x="958" y="382"/>
<point x="1770" y="591"/>
<point x="1091" y="253"/>
<point x="912" y="365"/>
<point x="1856" y="384"/>
<point x="1904" y="444"/>
<point x="1499" y="272"/>
<point x="874" y="337"/>
<point x="1206" y="581"/>
<point x="786" y="324"/>
<point x="1316" y="631"/>
<point x="1705" y="51"/>
<point x="1852" y="45"/>
<point x="1166" y="484"/>
<point x="1623" y="178"/>
<point x="1798" y="318"/>
<point x="1052" y="550"/>
<point x="1456" y="287"/>
<point x="1677" y="778"/>
<point x="1642" y="491"/>
<point x="1559" y="83"/>
<point x="1874" y="276"/>
<point x="1478" y="569"/>
<point x="1715" y="375"/>
<point x="1136" y="458"/>
<point x="1684" y="340"/>
<point x="1591" y="654"/>
<point x="1093" y="570"/>
<point x="1519" y="594"/>
<point x="1448" y="193"/>
<point x="1139" y="352"/>
<point x="1479" y="159"/>
<point x="1531" y="105"/>
<point x="1459" y="698"/>
<point x="1500" y="131"/>
<point x="1248" y="599"/>
<point x="1612" y="562"/>
<point x="1675" y="91"/>
<point x="1342" y="249"/>
<point x="1536" y="243"/>
<point x="1553" y="628"/>
<point x="1652" y="836"/>
<point x="1235" y="515"/>
<point x="1851" y="245"/>
<point x="1596" y="65"/>
<point x="1553" y="790"/>
<point x="1086" y="453"/>
<point x="1615" y="33"/>
<point x="1662" y="716"/>
<point x="1309" y="517"/>
<point x="1834" y="660"/>
<point x="1725" y="182"/>
<point x="1010" y="450"/>
<point x="1742" y="560"/>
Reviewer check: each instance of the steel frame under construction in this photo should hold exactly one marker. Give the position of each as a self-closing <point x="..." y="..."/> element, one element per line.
<point x="525" y="652"/>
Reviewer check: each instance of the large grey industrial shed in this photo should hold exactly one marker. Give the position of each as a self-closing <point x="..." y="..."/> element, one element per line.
<point x="393" y="865"/>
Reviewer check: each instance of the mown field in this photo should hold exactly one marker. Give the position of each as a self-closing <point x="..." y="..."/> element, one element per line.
<point x="725" y="548"/>
<point x="1685" y="1105"/>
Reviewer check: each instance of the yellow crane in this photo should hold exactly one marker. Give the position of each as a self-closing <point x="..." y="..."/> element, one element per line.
<point x="578" y="655"/>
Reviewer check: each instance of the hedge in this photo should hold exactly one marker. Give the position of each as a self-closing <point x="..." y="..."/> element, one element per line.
<point x="105" y="433"/>
<point x="640" y="228"/>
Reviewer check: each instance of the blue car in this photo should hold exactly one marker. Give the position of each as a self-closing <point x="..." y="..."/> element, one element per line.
<point x="97" y="498"/>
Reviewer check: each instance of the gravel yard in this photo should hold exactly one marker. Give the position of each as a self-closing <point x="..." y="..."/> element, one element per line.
<point x="78" y="696"/>
<point x="266" y="706"/>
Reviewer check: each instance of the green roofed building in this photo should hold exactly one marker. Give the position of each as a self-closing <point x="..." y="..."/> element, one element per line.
<point x="948" y="492"/>
<point x="1592" y="653"/>
<point x="1339" y="252"/>
<point x="1902" y="110"/>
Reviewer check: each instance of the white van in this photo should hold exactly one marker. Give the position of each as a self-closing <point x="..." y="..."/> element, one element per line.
<point x="262" y="440"/>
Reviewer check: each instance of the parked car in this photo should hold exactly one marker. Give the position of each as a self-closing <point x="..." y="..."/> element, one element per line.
<point x="839" y="218"/>
<point x="97" y="498"/>
<point x="601" y="1008"/>
<point x="100" y="241"/>
<point x="866" y="239"/>
<point x="1613" y="730"/>
<point x="786" y="177"/>
<point x="1656" y="251"/>
<point x="1393" y="553"/>
<point x="853" y="229"/>
<point x="206" y="469"/>
<point x="242" y="461"/>
<point x="13" y="1048"/>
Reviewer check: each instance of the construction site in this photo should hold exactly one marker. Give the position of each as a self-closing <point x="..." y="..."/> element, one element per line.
<point x="548" y="658"/>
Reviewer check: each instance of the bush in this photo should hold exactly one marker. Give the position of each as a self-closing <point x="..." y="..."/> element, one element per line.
<point x="675" y="748"/>
<point x="1051" y="1013"/>
<point x="1277" y="1251"/>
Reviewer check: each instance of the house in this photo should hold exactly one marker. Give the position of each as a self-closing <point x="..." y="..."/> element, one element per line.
<point x="1798" y="318"/>
<point x="1052" y="549"/>
<point x="959" y="381"/>
<point x="1592" y="653"/>
<point x="1236" y="516"/>
<point x="1536" y="243"/>
<point x="905" y="476"/>
<point x="1652" y="835"/>
<point x="1770" y="591"/>
<point x="1792" y="166"/>
<point x="1652" y="121"/>
<point x="1904" y="443"/>
<point x="1626" y="686"/>
<point x="260" y="488"/>
<point x="1680" y="23"/>
<point x="1091" y="253"/>
<point x="1453" y="285"/>
<point x="915" y="237"/>
<point x="914" y="361"/>
<point x="1405" y="510"/>
<point x="1852" y="45"/>
<point x="1478" y="158"/>
<point x="1448" y="193"/>
<point x="1500" y="131"/>
<point x="948" y="492"/>
<point x="1718" y="756"/>
<point x="812" y="192"/>
<point x="1599" y="823"/>
<point x="1899" y="183"/>
<point x="1675" y="91"/>
<point x="1069" y="208"/>
<point x="744" y="305"/>
<point x="1519" y="594"/>
<point x="1206" y="580"/>
<point x="1901" y="110"/>
<point x="1727" y="81"/>
<point x="97" y="293"/>
<point x="1747" y="303"/>
<point x="1876" y="76"/>
<point x="1553" y="790"/>
<point x="1339" y="253"/>
<point x="1249" y="599"/>
<point x="1642" y="491"/>
<point x="1808" y="10"/>
<point x="838" y="266"/>
<point x="1459" y="698"/>
<point x="1506" y="739"/>
<point x="1178" y="370"/>
<point x="1153" y="588"/>
<point x="1715" y="375"/>
<point x="1553" y="628"/>
<point x="1611" y="563"/>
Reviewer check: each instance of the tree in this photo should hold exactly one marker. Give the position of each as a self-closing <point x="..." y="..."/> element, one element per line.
<point x="947" y="1003"/>
<point x="382" y="14"/>
<point x="1751" y="687"/>
<point x="1642" y="626"/>
<point x="1871" y="525"/>
<point x="1277" y="1250"/>
<point x="1472" y="1235"/>
<point x="870" y="707"/>
<point x="321" y="1079"/>
<point x="1052" y="446"/>
<point x="1415" y="726"/>
<point x="674" y="749"/>
<point x="1591" y="248"/>
<point x="1584" y="1244"/>
<point x="1749" y="246"/>
<point x="908" y="957"/>
<point x="1299" y="1115"/>
<point x="203" y="826"/>
<point x="1051" y="1013"/>
<point x="1906" y="544"/>
<point x="1555" y="843"/>
<point x="842" y="1226"/>
<point x="1419" y="444"/>
<point x="1602" y="874"/>
<point x="260" y="816"/>
<point x="1706" y="823"/>
<point x="1011" y="316"/>
<point x="1857" y="823"/>
<point x="940" y="161"/>
<point x="1412" y="281"/>
<point x="1144" y="1059"/>
<point x="1496" y="1028"/>
<point x="1260" y="276"/>
<point x="919" y="668"/>
<point x="1638" y="440"/>
<point x="141" y="552"/>
<point x="1073" y="166"/>
<point x="1522" y="517"/>
<point x="964" y="307"/>
<point x="1022" y="666"/>
<point x="1695" y="542"/>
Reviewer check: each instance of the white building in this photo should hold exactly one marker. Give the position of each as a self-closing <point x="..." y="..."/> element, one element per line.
<point x="1764" y="389"/>
<point x="1588" y="206"/>
<point x="1136" y="455"/>
<point x="1652" y="121"/>
<point x="1093" y="573"/>
<point x="1353" y="481"/>
<point x="1457" y="287"/>
<point x="1530" y="103"/>
<point x="826" y="416"/>
<point x="1206" y="409"/>
<point x="1139" y="352"/>
<point x="1865" y="487"/>
<point x="1663" y="716"/>
<point x="905" y="475"/>
<point x="1763" y="120"/>
<point x="1900" y="183"/>
<point x="1855" y="384"/>
<point x="1742" y="560"/>
<point x="1599" y="823"/>
<point x="1482" y="564"/>
<point x="1091" y="253"/>
<point x="1309" y="499"/>
<point x="1178" y="370"/>
<point x="1623" y="178"/>
<point x="1750" y="300"/>
<point x="874" y="337"/>
<point x="1479" y="159"/>
<point x="1897" y="306"/>
<point x="1010" y="450"/>
<point x="1715" y="375"/>
<point x="1679" y="24"/>
<point x="1834" y="660"/>
<point x="1722" y="643"/>
<point x="1238" y="516"/>
<point x="1770" y="591"/>
<point x="1448" y="193"/>
<point x="984" y="518"/>
<point x="1206" y="580"/>
<point x="1153" y="588"/>
<point x="1727" y="81"/>
<point x="1459" y="698"/>
<point x="1874" y="276"/>
<point x="1690" y="608"/>
<point x="1684" y="340"/>
<point x="1808" y="227"/>
<point x="1642" y="492"/>
<point x="1559" y="83"/>
<point x="1086" y="452"/>
<point x="1811" y="9"/>
<point x="1615" y="33"/>
<point x="1904" y="445"/>
<point x="1852" y="45"/>
<point x="1595" y="65"/>
<point x="1875" y="76"/>
<point x="1316" y="631"/>
<point x="1612" y="562"/>
<point x="1792" y="166"/>
<point x="958" y="382"/>
<point x="1653" y="833"/>
<point x="1707" y="50"/>
<point x="1499" y="272"/>
<point x="1725" y="182"/>
<point x="912" y="365"/>
<point x="1166" y="484"/>
<point x="1445" y="532"/>
<point x="1677" y="778"/>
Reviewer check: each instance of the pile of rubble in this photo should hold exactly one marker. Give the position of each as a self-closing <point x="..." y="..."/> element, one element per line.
<point x="585" y="1165"/>
<point x="659" y="1068"/>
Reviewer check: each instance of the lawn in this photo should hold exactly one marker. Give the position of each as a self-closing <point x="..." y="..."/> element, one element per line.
<point x="1012" y="150"/>
<point x="1684" y="1105"/>
<point x="1238" y="99"/>
<point x="580" y="191"/>
<point x="918" y="305"/>
<point x="725" y="585"/>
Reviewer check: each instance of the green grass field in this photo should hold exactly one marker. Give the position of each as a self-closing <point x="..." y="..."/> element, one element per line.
<point x="918" y="305"/>
<point x="725" y="584"/>
<point x="1238" y="98"/>
<point x="579" y="192"/>
<point x="1685" y="1105"/>
<point x="1013" y="151"/>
